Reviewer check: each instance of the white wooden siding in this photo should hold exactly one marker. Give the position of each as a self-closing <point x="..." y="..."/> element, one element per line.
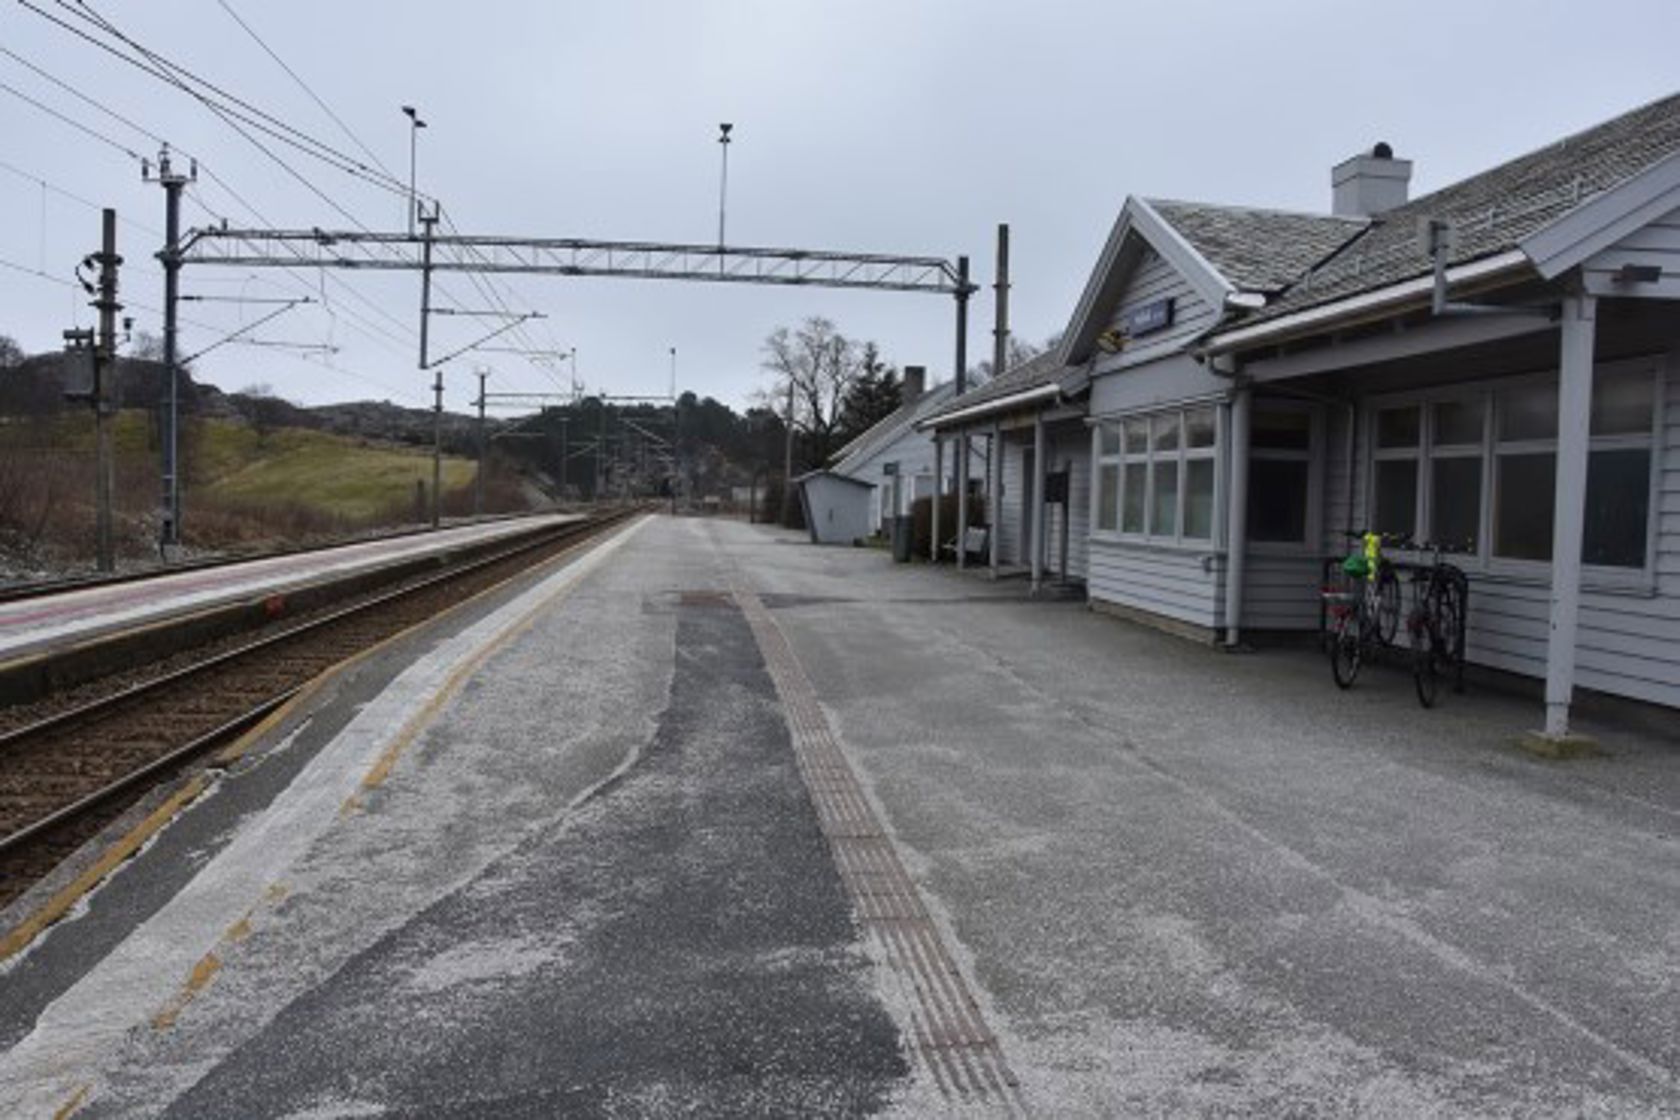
<point x="1153" y="280"/>
<point x="1629" y="643"/>
<point x="1279" y="592"/>
<point x="1012" y="533"/>
<point x="1064" y="442"/>
<point x="913" y="452"/>
<point x="1656" y="244"/>
<point x="1170" y="582"/>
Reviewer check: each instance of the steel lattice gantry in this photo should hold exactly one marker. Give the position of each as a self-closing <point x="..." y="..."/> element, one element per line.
<point x="317" y="248"/>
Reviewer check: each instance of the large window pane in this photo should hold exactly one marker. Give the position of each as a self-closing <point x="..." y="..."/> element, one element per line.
<point x="1280" y="431"/>
<point x="1133" y="498"/>
<point x="1163" y="506"/>
<point x="1455" y="502"/>
<point x="1198" y="427"/>
<point x="1522" y="505"/>
<point x="1108" y="495"/>
<point x="1397" y="427"/>
<point x="1457" y="422"/>
<point x="1137" y="436"/>
<point x="1622" y="403"/>
<point x="1618" y="507"/>
<point x="1198" y="499"/>
<point x="1164" y="429"/>
<point x="1396" y="497"/>
<point x="1528" y="412"/>
<point x="1110" y="437"/>
<point x="1277" y="500"/>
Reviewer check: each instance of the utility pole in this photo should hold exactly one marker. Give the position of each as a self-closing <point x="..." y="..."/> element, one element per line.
<point x="429" y="221"/>
<point x="1000" y="320"/>
<point x="962" y="433"/>
<point x="104" y="372"/>
<point x="676" y="430"/>
<point x="787" y="461"/>
<point x="600" y="455"/>
<point x="565" y="456"/>
<point x="172" y="182"/>
<point x="437" y="450"/>
<point x="478" y="477"/>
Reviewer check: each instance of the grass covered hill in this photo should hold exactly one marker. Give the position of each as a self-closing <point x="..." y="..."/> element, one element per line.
<point x="243" y="487"/>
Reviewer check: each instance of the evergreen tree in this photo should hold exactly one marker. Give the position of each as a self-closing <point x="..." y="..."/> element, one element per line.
<point x="876" y="394"/>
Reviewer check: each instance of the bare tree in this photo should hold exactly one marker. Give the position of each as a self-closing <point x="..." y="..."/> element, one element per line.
<point x="146" y="347"/>
<point x="1019" y="352"/>
<point x="819" y="365"/>
<point x="11" y="354"/>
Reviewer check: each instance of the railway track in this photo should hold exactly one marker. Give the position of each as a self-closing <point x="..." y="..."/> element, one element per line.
<point x="66" y="776"/>
<point x="41" y="589"/>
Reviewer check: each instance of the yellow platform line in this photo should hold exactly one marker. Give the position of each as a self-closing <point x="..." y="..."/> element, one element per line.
<point x="20" y="936"/>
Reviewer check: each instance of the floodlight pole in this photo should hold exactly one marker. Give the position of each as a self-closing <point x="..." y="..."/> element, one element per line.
<point x="723" y="181"/>
<point x="415" y="124"/>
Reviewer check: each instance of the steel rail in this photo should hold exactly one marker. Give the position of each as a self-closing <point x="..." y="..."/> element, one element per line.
<point x="105" y="705"/>
<point x="9" y="740"/>
<point x="143" y="773"/>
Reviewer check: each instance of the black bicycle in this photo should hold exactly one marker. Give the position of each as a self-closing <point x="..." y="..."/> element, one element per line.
<point x="1437" y="623"/>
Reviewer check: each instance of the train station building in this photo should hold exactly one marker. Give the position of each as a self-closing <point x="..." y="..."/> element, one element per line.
<point x="1494" y="366"/>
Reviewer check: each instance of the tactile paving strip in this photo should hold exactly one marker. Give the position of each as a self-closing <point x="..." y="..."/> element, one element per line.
<point x="950" y="1036"/>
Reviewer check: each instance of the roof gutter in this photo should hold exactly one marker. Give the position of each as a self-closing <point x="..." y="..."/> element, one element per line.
<point x="1420" y="289"/>
<point x="986" y="408"/>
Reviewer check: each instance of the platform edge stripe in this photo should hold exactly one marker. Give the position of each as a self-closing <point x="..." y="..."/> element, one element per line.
<point x="949" y="1028"/>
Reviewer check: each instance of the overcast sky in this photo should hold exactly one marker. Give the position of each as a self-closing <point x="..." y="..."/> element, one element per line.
<point x="888" y="125"/>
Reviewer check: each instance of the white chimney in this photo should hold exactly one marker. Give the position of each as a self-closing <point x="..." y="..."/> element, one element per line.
<point x="915" y="381"/>
<point x="1367" y="185"/>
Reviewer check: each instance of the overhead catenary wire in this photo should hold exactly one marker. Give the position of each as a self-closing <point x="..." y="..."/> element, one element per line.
<point x="79" y="126"/>
<point x="223" y="102"/>
<point x="303" y="85"/>
<point x="65" y="192"/>
<point x="180" y="71"/>
<point x="111" y="142"/>
<point x="247" y="120"/>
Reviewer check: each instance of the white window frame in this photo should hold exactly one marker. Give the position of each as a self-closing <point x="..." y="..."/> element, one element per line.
<point x="1312" y="456"/>
<point x="1641" y="580"/>
<point x="1146" y="461"/>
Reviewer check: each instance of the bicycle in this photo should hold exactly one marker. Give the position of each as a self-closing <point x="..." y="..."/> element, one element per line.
<point x="1367" y="616"/>
<point x="1436" y="624"/>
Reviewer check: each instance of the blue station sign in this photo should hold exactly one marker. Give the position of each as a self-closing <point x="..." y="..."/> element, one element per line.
<point x="1149" y="318"/>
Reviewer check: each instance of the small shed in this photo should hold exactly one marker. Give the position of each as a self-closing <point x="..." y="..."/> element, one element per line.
<point x="836" y="507"/>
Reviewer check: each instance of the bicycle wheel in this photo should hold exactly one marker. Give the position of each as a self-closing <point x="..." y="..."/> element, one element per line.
<point x="1426" y="658"/>
<point x="1346" y="650"/>
<point x="1449" y="619"/>
<point x="1388" y="605"/>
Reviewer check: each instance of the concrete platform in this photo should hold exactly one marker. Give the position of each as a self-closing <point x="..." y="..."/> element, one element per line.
<point x="34" y="625"/>
<point x="576" y="855"/>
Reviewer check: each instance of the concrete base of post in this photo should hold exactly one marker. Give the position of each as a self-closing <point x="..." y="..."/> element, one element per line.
<point x="1557" y="747"/>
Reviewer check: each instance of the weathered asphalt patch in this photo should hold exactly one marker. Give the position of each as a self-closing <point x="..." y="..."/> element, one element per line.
<point x="949" y="1032"/>
<point x="682" y="942"/>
